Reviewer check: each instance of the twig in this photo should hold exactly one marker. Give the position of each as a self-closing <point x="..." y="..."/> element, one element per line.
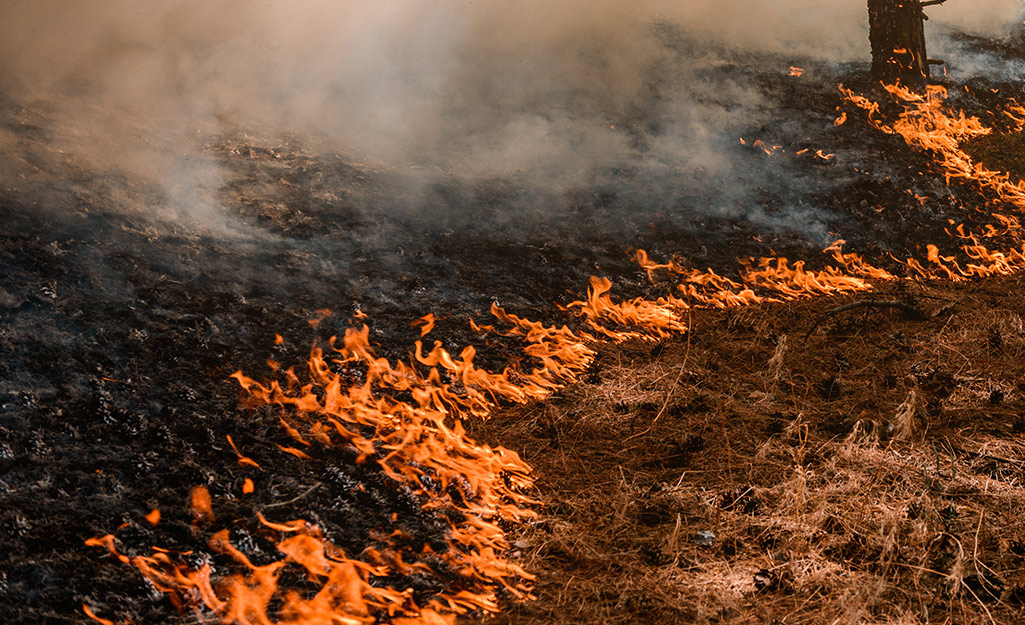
<point x="669" y="393"/>
<point x="293" y="499"/>
<point x="914" y="311"/>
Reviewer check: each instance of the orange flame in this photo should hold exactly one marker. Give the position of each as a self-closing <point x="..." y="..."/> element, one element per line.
<point x="408" y="418"/>
<point x="654" y="320"/>
<point x="426" y="324"/>
<point x="927" y="125"/>
<point x="88" y="612"/>
<point x="420" y="443"/>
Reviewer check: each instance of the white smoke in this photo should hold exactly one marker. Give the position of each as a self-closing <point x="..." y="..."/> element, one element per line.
<point x="519" y="87"/>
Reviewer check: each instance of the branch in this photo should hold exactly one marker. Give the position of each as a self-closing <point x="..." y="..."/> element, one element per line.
<point x="913" y="311"/>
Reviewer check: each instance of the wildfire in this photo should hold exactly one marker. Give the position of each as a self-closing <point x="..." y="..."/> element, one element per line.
<point x="407" y="417"/>
<point x="777" y="277"/>
<point x="654" y="320"/>
<point x="926" y="124"/>
<point x="420" y="443"/>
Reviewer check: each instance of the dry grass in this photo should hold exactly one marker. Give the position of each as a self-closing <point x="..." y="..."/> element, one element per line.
<point x="871" y="473"/>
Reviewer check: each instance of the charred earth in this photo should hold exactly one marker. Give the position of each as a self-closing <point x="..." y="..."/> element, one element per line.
<point x="123" y="316"/>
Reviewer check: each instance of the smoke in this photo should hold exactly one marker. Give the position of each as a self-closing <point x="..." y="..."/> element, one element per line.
<point x="416" y="80"/>
<point x="990" y="18"/>
<point x="995" y="19"/>
<point x="556" y="93"/>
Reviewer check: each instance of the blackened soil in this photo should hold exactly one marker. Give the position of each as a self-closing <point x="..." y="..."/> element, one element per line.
<point x="116" y="401"/>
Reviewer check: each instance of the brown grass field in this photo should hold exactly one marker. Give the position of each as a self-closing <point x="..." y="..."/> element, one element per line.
<point x="870" y="472"/>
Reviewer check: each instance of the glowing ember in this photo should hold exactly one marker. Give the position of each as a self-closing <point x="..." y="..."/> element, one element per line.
<point x="201" y="505"/>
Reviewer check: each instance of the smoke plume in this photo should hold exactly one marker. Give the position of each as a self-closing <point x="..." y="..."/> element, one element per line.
<point x="554" y="93"/>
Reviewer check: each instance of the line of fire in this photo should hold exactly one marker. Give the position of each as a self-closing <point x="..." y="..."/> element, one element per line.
<point x="439" y="314"/>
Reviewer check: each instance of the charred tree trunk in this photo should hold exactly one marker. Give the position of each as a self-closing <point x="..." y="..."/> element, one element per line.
<point x="897" y="35"/>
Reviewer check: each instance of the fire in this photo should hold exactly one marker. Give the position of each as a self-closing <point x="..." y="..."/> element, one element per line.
<point x="418" y="441"/>
<point x="406" y="418"/>
<point x="654" y="320"/>
<point x="88" y="612"/>
<point x="763" y="146"/>
<point x="322" y="314"/>
<point x="201" y="505"/>
<point x="927" y="125"/>
<point x="777" y="277"/>
<point x="347" y="592"/>
<point x="426" y="324"/>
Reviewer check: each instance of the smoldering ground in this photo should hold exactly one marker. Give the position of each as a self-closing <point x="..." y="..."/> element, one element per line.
<point x="179" y="181"/>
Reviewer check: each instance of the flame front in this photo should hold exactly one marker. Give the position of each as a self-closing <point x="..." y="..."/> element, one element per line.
<point x="407" y="418"/>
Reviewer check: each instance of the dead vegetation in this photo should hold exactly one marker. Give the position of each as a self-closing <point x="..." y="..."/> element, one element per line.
<point x="869" y="473"/>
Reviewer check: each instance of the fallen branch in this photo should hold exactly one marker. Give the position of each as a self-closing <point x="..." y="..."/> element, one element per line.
<point x="913" y="311"/>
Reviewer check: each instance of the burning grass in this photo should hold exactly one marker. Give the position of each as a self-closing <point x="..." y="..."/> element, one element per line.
<point x="870" y="473"/>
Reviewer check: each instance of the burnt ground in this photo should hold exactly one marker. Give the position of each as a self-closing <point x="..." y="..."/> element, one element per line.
<point x="119" y="329"/>
<point x="869" y="472"/>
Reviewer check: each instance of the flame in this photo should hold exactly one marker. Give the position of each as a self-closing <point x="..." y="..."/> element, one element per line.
<point x="769" y="150"/>
<point x="347" y="592"/>
<point x="776" y="276"/>
<point x="926" y="124"/>
<point x="406" y="418"/>
<point x="653" y="320"/>
<point x="322" y="314"/>
<point x="88" y="612"/>
<point x="418" y="441"/>
<point x="426" y="324"/>
<point x="244" y="460"/>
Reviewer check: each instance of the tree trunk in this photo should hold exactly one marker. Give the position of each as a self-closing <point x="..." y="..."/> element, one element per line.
<point x="897" y="34"/>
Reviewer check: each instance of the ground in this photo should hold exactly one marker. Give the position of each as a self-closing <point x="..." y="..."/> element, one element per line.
<point x="786" y="464"/>
<point x="774" y="464"/>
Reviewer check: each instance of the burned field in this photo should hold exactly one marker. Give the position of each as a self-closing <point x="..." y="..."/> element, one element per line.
<point x="697" y="464"/>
